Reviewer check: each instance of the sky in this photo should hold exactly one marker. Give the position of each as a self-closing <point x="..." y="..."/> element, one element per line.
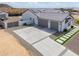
<point x="43" y="4"/>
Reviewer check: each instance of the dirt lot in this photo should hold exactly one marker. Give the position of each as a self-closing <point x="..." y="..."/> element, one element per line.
<point x="10" y="46"/>
<point x="73" y="44"/>
<point x="76" y="16"/>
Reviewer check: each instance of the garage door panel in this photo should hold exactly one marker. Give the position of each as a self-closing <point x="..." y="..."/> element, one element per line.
<point x="54" y="25"/>
<point x="43" y="22"/>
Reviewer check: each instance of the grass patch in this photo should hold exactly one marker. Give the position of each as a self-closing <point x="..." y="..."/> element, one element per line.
<point x="58" y="35"/>
<point x="71" y="36"/>
<point x="66" y="38"/>
<point x="77" y="21"/>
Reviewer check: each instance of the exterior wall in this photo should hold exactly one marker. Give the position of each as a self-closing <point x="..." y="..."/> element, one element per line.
<point x="29" y="18"/>
<point x="69" y="23"/>
<point x="62" y="26"/>
<point x="66" y="25"/>
<point x="5" y="25"/>
<point x="59" y="26"/>
<point x="49" y="24"/>
<point x="4" y="16"/>
<point x="2" y="23"/>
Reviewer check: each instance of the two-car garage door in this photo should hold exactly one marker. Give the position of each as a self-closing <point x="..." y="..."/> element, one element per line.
<point x="44" y="23"/>
<point x="54" y="25"/>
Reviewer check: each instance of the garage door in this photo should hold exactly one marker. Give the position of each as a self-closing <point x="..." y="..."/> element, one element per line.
<point x="54" y="25"/>
<point x="43" y="22"/>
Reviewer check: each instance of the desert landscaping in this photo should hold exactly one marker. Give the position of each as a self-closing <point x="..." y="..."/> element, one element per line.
<point x="10" y="46"/>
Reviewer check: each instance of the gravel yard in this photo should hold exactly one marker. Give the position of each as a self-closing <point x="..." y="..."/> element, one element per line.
<point x="10" y="46"/>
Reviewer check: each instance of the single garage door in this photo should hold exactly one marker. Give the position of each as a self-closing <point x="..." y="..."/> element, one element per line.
<point x="54" y="25"/>
<point x="43" y="22"/>
<point x="12" y="24"/>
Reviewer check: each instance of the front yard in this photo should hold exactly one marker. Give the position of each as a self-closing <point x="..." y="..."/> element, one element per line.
<point x="9" y="45"/>
<point x="63" y="37"/>
<point x="73" y="43"/>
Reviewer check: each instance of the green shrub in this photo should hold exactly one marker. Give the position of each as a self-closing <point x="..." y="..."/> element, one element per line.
<point x="65" y="30"/>
<point x="72" y="26"/>
<point x="27" y="24"/>
<point x="77" y="21"/>
<point x="24" y="24"/>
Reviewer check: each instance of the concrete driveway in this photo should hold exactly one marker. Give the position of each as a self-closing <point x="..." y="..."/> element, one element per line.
<point x="40" y="42"/>
<point x="33" y="34"/>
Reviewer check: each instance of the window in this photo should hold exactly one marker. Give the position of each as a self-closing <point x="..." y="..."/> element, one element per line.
<point x="21" y="20"/>
<point x="69" y="18"/>
<point x="69" y="24"/>
<point x="66" y="20"/>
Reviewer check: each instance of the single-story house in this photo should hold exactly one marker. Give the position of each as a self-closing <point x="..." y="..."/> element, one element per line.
<point x="55" y="21"/>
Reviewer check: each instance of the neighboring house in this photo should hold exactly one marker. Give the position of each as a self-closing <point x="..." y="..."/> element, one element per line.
<point x="54" y="20"/>
<point x="11" y="22"/>
<point x="7" y="22"/>
<point x="3" y="17"/>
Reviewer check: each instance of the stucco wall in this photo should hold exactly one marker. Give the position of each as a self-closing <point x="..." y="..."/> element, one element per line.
<point x="65" y="25"/>
<point x="26" y="18"/>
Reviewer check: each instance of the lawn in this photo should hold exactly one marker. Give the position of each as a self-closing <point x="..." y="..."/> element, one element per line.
<point x="64" y="38"/>
<point x="59" y="34"/>
<point x="77" y="21"/>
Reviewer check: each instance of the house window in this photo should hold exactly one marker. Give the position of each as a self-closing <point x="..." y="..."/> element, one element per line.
<point x="21" y="20"/>
<point x="69" y="24"/>
<point x="69" y="18"/>
<point x="66" y="20"/>
<point x="33" y="21"/>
